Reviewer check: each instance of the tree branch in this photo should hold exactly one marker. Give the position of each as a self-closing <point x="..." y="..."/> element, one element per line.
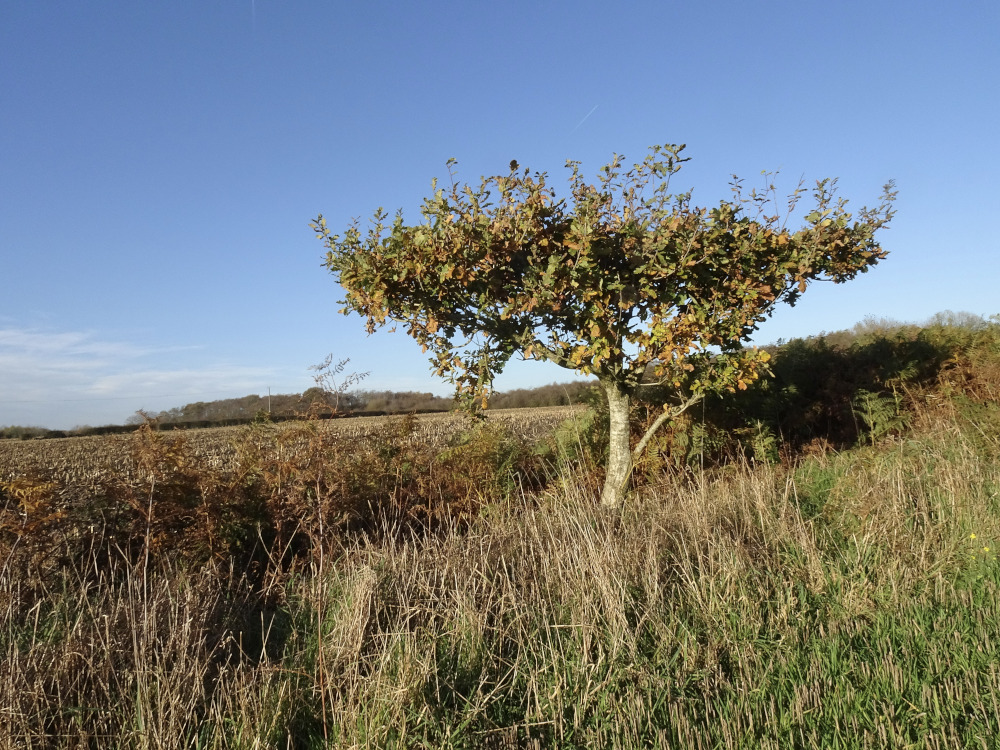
<point x="668" y="414"/>
<point x="552" y="355"/>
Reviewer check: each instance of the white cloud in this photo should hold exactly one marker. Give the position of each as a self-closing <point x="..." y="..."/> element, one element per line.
<point x="231" y="379"/>
<point x="66" y="378"/>
<point x="67" y="344"/>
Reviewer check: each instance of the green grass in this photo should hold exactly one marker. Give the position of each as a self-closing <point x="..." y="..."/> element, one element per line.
<point x="846" y="602"/>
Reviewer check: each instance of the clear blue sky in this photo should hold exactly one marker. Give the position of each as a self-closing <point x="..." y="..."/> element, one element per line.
<point x="160" y="163"/>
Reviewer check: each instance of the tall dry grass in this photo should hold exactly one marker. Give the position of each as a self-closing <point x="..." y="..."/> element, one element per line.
<point x="843" y="602"/>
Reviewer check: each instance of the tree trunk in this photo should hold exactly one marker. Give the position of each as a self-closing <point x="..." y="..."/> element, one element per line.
<point x="619" y="453"/>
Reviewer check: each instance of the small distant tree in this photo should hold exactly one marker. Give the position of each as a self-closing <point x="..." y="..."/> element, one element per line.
<point x="142" y="417"/>
<point x="623" y="280"/>
<point x="332" y="386"/>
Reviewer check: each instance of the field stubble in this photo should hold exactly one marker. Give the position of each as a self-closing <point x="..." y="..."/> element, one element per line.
<point x="79" y="465"/>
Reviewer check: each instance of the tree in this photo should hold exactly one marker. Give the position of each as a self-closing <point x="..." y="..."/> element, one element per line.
<point x="332" y="386"/>
<point x="622" y="280"/>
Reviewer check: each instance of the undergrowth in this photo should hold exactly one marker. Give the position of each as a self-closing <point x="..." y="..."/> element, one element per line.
<point x="387" y="593"/>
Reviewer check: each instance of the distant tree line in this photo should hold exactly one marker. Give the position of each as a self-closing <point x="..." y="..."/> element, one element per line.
<point x="314" y="401"/>
<point x="832" y="387"/>
<point x="363" y="402"/>
<point x="554" y="394"/>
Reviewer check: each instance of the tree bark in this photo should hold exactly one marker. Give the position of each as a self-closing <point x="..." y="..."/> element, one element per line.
<point x="619" y="452"/>
<point x="621" y="458"/>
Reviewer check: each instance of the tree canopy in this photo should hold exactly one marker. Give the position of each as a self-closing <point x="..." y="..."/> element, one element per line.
<point x="622" y="279"/>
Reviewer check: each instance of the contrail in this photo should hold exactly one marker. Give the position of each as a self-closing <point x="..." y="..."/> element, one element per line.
<point x="585" y="118"/>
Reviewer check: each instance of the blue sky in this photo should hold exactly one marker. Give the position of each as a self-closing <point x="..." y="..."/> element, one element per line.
<point x="160" y="163"/>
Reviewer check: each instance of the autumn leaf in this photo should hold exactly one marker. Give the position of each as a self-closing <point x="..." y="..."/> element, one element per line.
<point x="652" y="282"/>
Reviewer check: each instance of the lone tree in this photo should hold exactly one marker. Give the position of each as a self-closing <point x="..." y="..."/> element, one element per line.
<point x="623" y="280"/>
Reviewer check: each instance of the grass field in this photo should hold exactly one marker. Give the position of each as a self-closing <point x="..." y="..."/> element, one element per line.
<point x="844" y="599"/>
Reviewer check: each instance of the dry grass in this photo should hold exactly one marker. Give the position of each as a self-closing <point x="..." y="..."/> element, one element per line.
<point x="425" y="584"/>
<point x="840" y="603"/>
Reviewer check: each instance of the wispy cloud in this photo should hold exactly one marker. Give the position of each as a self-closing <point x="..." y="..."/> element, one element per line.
<point x="215" y="379"/>
<point x="64" y="378"/>
<point x="65" y="344"/>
